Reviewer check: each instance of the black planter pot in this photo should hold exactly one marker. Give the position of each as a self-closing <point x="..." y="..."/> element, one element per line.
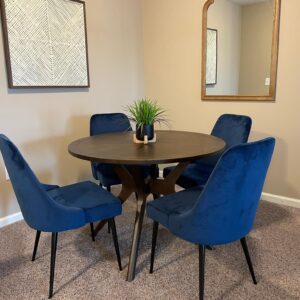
<point x="145" y="130"/>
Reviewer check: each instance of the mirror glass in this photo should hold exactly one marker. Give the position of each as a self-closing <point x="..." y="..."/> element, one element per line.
<point x="239" y="36"/>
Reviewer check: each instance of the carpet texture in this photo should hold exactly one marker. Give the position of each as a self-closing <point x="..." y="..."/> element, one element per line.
<point x="87" y="270"/>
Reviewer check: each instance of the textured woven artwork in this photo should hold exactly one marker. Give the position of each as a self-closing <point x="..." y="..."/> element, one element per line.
<point x="45" y="43"/>
<point x="211" y="56"/>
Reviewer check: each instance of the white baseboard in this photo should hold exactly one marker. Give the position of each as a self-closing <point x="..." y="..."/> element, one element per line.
<point x="281" y="200"/>
<point x="11" y="219"/>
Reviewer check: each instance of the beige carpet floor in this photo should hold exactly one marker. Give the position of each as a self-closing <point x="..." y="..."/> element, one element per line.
<point x="87" y="270"/>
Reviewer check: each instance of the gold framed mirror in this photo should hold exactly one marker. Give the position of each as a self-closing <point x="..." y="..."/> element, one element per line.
<point x="240" y="49"/>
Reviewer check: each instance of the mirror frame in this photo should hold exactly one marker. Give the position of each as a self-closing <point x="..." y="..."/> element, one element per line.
<point x="274" y="60"/>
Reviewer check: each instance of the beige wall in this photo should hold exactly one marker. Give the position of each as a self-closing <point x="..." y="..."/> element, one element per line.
<point x="225" y="16"/>
<point x="256" y="44"/>
<point x="172" y="43"/>
<point x="43" y="122"/>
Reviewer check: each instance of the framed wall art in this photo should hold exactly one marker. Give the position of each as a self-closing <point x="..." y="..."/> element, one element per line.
<point x="45" y="43"/>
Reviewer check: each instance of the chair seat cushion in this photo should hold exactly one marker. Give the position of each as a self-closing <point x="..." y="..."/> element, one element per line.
<point x="163" y="208"/>
<point x="96" y="202"/>
<point x="194" y="175"/>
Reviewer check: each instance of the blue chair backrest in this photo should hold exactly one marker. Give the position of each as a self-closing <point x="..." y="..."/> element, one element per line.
<point x="105" y="123"/>
<point x="226" y="209"/>
<point x="233" y="129"/>
<point x="39" y="210"/>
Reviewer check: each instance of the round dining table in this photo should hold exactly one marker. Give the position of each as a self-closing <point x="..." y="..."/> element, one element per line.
<point x="118" y="149"/>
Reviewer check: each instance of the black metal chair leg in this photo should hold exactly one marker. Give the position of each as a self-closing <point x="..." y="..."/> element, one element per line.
<point x="92" y="231"/>
<point x="201" y="271"/>
<point x="154" y="238"/>
<point x="52" y="265"/>
<point x="108" y="188"/>
<point x="36" y="243"/>
<point x="247" y="255"/>
<point x="112" y="225"/>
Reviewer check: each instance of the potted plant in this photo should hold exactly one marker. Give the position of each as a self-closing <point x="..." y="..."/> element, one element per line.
<point x="145" y="113"/>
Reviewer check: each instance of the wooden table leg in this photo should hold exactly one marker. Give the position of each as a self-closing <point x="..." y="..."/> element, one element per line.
<point x="157" y="187"/>
<point x="141" y="187"/>
<point x="128" y="182"/>
<point x="166" y="185"/>
<point x="136" y="236"/>
<point x="133" y="181"/>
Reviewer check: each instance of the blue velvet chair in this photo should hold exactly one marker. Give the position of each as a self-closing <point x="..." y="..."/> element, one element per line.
<point x="234" y="130"/>
<point x="49" y="208"/>
<point x="221" y="212"/>
<point x="107" y="123"/>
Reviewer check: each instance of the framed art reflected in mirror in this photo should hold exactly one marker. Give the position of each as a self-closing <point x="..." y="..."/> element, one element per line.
<point x="211" y="56"/>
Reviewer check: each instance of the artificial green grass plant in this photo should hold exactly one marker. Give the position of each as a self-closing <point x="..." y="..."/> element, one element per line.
<point x="146" y="112"/>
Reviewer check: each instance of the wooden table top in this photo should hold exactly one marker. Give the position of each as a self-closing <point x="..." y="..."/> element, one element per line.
<point x="170" y="147"/>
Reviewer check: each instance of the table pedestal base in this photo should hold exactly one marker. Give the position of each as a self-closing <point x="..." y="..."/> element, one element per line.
<point x="133" y="182"/>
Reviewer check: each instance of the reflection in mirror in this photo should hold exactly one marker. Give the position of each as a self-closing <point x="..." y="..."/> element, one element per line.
<point x="239" y="47"/>
<point x="211" y="56"/>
